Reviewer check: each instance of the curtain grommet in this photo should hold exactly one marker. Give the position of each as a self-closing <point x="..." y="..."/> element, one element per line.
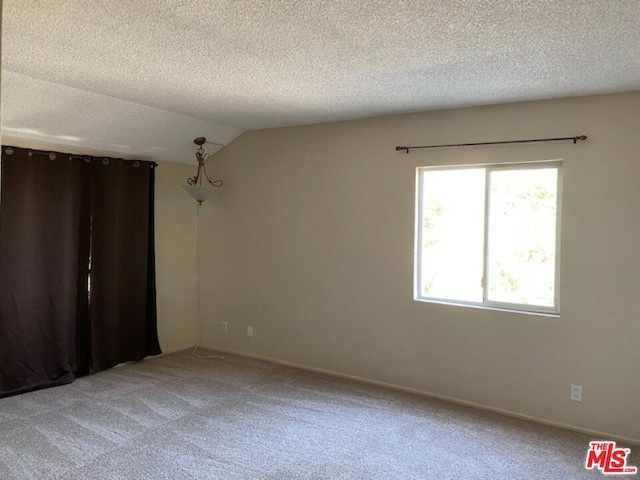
<point x="8" y="151"/>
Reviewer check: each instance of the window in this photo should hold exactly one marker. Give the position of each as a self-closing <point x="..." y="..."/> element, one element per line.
<point x="488" y="235"/>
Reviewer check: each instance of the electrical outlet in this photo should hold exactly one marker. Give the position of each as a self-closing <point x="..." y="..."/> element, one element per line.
<point x="249" y="330"/>
<point x="576" y="393"/>
<point x="224" y="327"/>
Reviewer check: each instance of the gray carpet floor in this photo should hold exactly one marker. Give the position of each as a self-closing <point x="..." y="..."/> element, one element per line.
<point x="180" y="417"/>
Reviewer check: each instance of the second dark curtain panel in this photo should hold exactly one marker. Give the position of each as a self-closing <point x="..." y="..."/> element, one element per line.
<point x="123" y="295"/>
<point x="62" y="219"/>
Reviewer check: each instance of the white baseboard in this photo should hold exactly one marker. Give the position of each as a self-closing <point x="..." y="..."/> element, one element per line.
<point x="167" y="351"/>
<point x="596" y="434"/>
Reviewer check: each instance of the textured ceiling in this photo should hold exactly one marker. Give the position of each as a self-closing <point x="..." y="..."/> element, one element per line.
<point x="51" y="115"/>
<point x="255" y="64"/>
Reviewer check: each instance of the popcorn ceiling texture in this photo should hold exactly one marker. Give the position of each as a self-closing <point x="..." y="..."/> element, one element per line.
<point x="254" y="64"/>
<point x="56" y="115"/>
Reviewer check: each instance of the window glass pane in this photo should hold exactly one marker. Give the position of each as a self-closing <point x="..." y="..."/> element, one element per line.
<point x="522" y="236"/>
<point x="452" y="234"/>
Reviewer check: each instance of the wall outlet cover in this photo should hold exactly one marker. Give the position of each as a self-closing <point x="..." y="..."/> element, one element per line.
<point x="576" y="393"/>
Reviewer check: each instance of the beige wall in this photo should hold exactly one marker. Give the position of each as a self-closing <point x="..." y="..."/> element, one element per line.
<point x="311" y="242"/>
<point x="0" y="57"/>
<point x="176" y="272"/>
<point x="175" y="249"/>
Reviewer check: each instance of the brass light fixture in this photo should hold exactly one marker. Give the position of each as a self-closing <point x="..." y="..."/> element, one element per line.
<point x="199" y="191"/>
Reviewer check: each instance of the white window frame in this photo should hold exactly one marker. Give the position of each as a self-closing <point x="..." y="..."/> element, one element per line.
<point x="486" y="303"/>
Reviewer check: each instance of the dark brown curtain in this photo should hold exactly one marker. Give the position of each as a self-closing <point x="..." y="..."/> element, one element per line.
<point x="123" y="295"/>
<point x="63" y="220"/>
<point x="41" y="249"/>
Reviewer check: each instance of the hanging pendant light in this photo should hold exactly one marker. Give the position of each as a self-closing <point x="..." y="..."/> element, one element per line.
<point x="199" y="191"/>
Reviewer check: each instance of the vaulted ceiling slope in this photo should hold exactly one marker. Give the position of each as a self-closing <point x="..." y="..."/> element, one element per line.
<point x="253" y="64"/>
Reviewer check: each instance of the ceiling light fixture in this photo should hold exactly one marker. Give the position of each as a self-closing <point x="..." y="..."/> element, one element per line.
<point x="196" y="189"/>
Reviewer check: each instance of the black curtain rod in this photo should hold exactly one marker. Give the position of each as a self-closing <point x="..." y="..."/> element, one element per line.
<point x="106" y="160"/>
<point x="478" y="144"/>
<point x="52" y="155"/>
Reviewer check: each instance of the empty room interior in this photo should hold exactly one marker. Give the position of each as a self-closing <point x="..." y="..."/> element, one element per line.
<point x="319" y="239"/>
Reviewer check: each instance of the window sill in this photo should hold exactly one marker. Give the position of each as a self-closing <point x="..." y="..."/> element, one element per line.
<point x="488" y="307"/>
